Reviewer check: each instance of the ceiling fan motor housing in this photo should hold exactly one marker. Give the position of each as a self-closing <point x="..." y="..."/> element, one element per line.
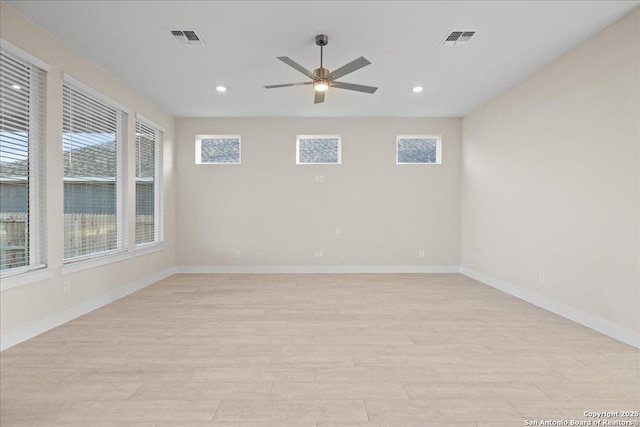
<point x="321" y="72"/>
<point x="322" y="40"/>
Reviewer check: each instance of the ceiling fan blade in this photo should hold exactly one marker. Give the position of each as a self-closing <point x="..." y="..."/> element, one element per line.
<point x="287" y="85"/>
<point x="352" y="66"/>
<point x="319" y="98"/>
<point x="351" y="86"/>
<point x="290" y="62"/>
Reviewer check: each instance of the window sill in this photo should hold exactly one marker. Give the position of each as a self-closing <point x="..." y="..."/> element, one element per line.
<point x="27" y="277"/>
<point x="75" y="266"/>
<point x="150" y="248"/>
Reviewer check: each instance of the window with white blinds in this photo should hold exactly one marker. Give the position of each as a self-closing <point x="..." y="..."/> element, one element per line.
<point x="93" y="144"/>
<point x="148" y="167"/>
<point x="22" y="163"/>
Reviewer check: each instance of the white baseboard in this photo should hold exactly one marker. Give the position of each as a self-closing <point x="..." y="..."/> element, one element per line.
<point x="20" y="335"/>
<point x="321" y="269"/>
<point x="603" y="326"/>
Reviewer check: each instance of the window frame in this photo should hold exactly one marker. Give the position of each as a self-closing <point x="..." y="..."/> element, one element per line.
<point x="299" y="137"/>
<point x="438" y="139"/>
<point x="36" y="267"/>
<point x="158" y="212"/>
<point x="198" y="147"/>
<point x="121" y="211"/>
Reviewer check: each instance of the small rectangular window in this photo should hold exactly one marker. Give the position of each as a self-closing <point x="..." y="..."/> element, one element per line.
<point x="418" y="149"/>
<point x="318" y="149"/>
<point x="218" y="149"/>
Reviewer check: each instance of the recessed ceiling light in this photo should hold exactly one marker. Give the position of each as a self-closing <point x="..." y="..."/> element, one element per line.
<point x="221" y="88"/>
<point x="417" y="89"/>
<point x="15" y="86"/>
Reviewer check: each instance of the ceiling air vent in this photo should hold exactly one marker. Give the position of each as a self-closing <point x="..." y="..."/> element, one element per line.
<point x="457" y="38"/>
<point x="186" y="37"/>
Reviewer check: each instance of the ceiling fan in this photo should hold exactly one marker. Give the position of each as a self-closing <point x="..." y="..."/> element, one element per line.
<point x="322" y="79"/>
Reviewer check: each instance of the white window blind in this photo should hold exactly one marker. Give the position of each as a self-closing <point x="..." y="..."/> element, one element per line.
<point x="93" y="150"/>
<point x="22" y="164"/>
<point x="148" y="195"/>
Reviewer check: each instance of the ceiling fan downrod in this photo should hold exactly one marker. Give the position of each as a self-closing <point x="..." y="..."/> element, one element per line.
<point x="321" y="40"/>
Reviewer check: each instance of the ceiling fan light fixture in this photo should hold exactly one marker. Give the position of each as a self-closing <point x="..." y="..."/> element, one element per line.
<point x="322" y="79"/>
<point x="417" y="89"/>
<point x="321" y="85"/>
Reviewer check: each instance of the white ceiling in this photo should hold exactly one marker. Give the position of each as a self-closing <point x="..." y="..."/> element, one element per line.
<point x="401" y="39"/>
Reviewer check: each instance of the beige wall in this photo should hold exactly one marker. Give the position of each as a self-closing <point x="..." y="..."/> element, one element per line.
<point x="550" y="181"/>
<point x="274" y="212"/>
<point x="28" y="304"/>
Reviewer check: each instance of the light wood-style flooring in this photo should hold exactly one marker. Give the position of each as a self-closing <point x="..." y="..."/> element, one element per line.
<point x="316" y="351"/>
